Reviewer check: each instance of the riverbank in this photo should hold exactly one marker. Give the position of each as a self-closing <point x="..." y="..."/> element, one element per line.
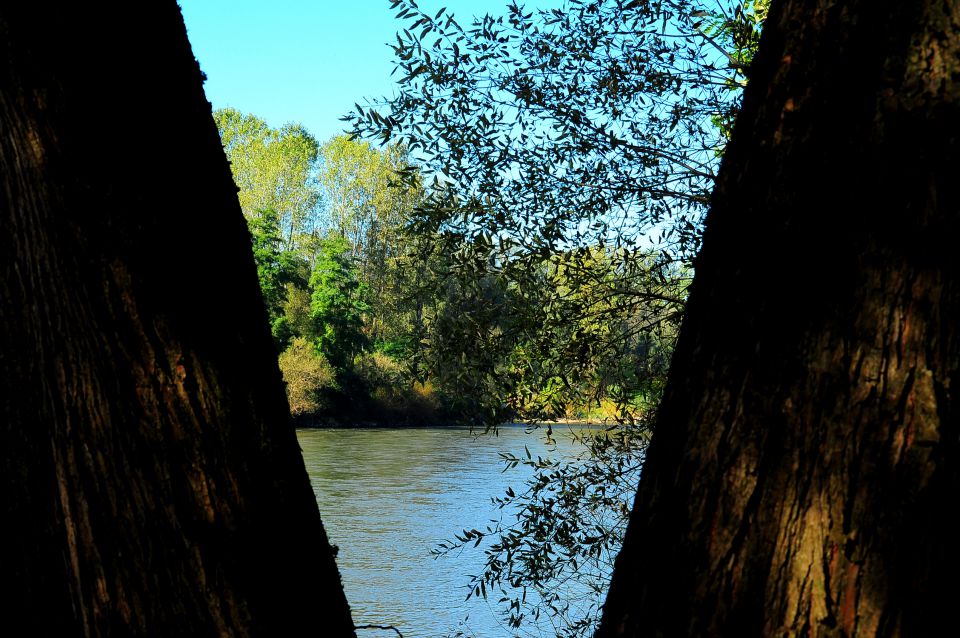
<point x="318" y="422"/>
<point x="326" y="421"/>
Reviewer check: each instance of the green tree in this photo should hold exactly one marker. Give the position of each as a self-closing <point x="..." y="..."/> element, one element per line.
<point x="358" y="179"/>
<point x="277" y="271"/>
<point x="267" y="254"/>
<point x="337" y="304"/>
<point x="369" y="205"/>
<point x="275" y="169"/>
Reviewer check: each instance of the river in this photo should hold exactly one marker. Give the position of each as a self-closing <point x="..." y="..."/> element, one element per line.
<point x="389" y="496"/>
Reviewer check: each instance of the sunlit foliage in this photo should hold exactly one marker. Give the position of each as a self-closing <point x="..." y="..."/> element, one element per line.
<point x="307" y="374"/>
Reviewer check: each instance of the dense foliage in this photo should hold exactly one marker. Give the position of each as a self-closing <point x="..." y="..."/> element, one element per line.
<point x="337" y="303"/>
<point x="325" y="231"/>
<point x="569" y="156"/>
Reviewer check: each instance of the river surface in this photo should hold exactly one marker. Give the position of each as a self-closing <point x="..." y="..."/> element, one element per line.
<point x="389" y="496"/>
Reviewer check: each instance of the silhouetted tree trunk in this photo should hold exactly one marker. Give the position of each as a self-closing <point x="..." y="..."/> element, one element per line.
<point x="150" y="480"/>
<point x="803" y="477"/>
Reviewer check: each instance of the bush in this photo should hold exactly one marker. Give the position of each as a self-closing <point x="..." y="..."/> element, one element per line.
<point x="307" y="373"/>
<point x="395" y="396"/>
<point x="379" y="369"/>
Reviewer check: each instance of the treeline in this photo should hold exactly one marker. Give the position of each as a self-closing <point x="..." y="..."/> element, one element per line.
<point x="379" y="316"/>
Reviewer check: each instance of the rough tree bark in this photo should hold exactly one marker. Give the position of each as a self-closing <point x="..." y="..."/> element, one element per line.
<point x="150" y="480"/>
<point x="803" y="474"/>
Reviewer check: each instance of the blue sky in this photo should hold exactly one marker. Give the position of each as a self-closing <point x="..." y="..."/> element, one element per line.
<point x="305" y="61"/>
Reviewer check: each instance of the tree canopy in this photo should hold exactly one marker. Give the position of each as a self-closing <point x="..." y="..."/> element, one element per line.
<point x="275" y="169"/>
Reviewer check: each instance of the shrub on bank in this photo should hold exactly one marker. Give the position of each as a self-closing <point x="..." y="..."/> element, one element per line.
<point x="307" y="374"/>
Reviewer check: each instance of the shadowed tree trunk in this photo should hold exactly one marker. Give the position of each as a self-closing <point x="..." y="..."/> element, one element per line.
<point x="150" y="480"/>
<point x="804" y="472"/>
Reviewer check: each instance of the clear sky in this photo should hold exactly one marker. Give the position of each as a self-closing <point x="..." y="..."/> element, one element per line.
<point x="304" y="61"/>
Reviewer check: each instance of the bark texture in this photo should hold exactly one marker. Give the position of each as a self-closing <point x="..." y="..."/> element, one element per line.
<point x="803" y="476"/>
<point x="150" y="481"/>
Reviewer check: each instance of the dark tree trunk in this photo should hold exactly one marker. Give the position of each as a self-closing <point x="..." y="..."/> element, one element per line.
<point x="150" y="480"/>
<point x="803" y="476"/>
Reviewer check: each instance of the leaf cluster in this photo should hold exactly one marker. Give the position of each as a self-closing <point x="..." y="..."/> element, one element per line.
<point x="549" y="554"/>
<point x="559" y="127"/>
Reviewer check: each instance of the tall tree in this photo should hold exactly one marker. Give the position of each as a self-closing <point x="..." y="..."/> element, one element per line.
<point x="367" y="205"/>
<point x="806" y="457"/>
<point x="336" y="303"/>
<point x="150" y="481"/>
<point x="357" y="179"/>
<point x="274" y="170"/>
